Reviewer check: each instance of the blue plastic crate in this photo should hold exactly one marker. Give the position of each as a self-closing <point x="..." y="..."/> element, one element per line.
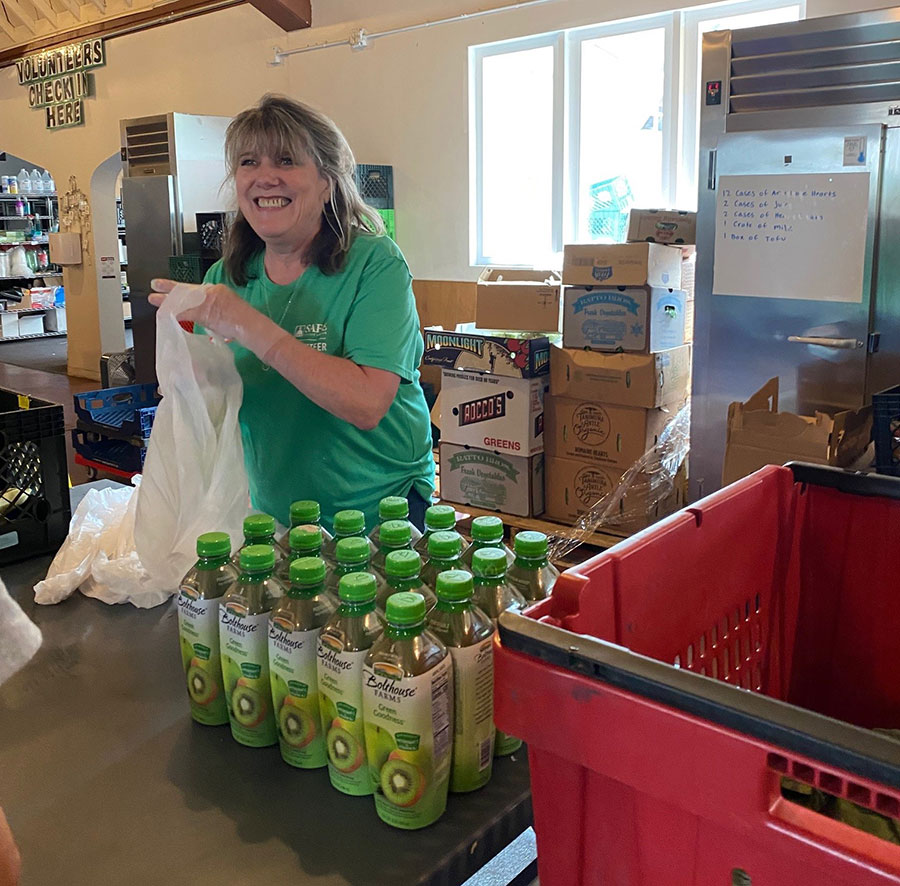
<point x="886" y="430"/>
<point x="127" y="410"/>
<point x="118" y="454"/>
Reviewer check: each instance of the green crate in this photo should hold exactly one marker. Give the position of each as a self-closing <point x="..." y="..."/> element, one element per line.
<point x="387" y="216"/>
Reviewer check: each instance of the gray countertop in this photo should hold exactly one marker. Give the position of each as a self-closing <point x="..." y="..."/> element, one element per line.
<point x="106" y="780"/>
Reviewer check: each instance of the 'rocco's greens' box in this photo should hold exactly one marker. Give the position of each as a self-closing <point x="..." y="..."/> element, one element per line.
<point x="493" y="481"/>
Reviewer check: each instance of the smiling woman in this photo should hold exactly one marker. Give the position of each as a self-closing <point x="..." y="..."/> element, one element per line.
<point x="318" y="304"/>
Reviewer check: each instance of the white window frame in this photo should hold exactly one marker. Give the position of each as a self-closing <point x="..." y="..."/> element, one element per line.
<point x="680" y="146"/>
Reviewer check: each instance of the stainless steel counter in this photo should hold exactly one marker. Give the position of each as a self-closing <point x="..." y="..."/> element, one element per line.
<point x="106" y="780"/>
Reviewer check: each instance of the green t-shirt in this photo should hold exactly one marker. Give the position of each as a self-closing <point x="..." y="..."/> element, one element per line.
<point x="293" y="448"/>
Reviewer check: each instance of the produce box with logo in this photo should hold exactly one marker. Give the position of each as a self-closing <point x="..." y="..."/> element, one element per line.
<point x="622" y="264"/>
<point x="662" y="226"/>
<point x="493" y="481"/>
<point x="573" y="487"/>
<point x="512" y="354"/>
<point x="635" y="318"/>
<point x="493" y="411"/>
<point x="516" y="297"/>
<point x="607" y="435"/>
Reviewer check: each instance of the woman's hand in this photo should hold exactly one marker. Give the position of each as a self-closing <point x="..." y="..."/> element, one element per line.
<point x="10" y="861"/>
<point x="226" y="314"/>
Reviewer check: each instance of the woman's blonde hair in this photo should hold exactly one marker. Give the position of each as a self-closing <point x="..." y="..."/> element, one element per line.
<point x="279" y="126"/>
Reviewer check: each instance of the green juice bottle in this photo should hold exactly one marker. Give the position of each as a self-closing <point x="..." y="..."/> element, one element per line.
<point x="198" y="627"/>
<point x="469" y="635"/>
<point x="445" y="551"/>
<point x="343" y="645"/>
<point x="438" y="518"/>
<point x="304" y="540"/>
<point x="243" y="630"/>
<point x="532" y="574"/>
<point x="347" y="524"/>
<point x="395" y="535"/>
<point x="408" y="710"/>
<point x="259" y="529"/>
<point x="402" y="573"/>
<point x="294" y="627"/>
<point x="393" y="507"/>
<point x="352" y="555"/>
<point x="493" y="595"/>
<point x="487" y="532"/>
<point x="303" y="513"/>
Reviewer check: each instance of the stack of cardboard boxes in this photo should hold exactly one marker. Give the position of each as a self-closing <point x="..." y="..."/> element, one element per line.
<point x="494" y="380"/>
<point x="622" y="374"/>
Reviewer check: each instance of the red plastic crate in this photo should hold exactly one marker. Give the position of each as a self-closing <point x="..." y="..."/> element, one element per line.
<point x="651" y="762"/>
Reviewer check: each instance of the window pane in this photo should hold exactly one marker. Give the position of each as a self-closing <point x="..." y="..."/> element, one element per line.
<point x="621" y="149"/>
<point x="749" y="20"/>
<point x="517" y="156"/>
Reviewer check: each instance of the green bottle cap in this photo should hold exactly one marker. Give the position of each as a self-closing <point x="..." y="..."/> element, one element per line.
<point x="357" y="587"/>
<point x="307" y="571"/>
<point x="405" y="609"/>
<point x="489" y="562"/>
<point x="349" y="522"/>
<point x="306" y="537"/>
<point x="393" y="508"/>
<point x="444" y="545"/>
<point x="395" y="533"/>
<point x="259" y="526"/>
<point x="306" y="511"/>
<point x="352" y="550"/>
<point x="531" y="544"/>
<point x="257" y="558"/>
<point x="487" y="530"/>
<point x="403" y="564"/>
<point x="213" y="544"/>
<point x="440" y="517"/>
<point x="454" y="586"/>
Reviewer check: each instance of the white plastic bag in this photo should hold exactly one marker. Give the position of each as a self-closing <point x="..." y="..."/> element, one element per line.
<point x="194" y="476"/>
<point x="99" y="556"/>
<point x="20" y="638"/>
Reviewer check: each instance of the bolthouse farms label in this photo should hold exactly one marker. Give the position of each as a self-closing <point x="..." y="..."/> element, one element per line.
<point x="57" y="80"/>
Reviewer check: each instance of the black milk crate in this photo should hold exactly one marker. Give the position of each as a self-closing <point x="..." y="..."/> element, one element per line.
<point x="34" y="481"/>
<point x="886" y="430"/>
<point x="376" y="185"/>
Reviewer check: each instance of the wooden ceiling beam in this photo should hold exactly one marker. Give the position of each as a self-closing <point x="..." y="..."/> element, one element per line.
<point x="100" y="4"/>
<point x="25" y="18"/>
<point x="7" y="27"/>
<point x="138" y="20"/>
<point x="292" y="15"/>
<point x="47" y="11"/>
<point x="74" y="7"/>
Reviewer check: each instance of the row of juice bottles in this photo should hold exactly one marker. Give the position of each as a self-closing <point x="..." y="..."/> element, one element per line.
<point x="372" y="655"/>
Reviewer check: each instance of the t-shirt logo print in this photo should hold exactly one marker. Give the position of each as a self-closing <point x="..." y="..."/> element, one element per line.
<point x="313" y="334"/>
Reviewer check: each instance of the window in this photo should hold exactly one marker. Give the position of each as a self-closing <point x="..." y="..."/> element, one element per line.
<point x="622" y="101"/>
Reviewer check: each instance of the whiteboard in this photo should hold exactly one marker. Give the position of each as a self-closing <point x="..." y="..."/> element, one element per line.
<point x="792" y="236"/>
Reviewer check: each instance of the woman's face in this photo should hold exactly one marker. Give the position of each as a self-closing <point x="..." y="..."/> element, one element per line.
<point x="281" y="197"/>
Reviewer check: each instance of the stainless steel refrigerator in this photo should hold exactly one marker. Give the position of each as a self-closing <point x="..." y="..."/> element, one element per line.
<point x="798" y="236"/>
<point x="174" y="167"/>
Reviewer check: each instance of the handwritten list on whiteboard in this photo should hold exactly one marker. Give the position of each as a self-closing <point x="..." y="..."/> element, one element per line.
<point x="792" y="236"/>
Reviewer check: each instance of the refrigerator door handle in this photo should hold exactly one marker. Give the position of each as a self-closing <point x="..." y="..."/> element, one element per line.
<point x="849" y="344"/>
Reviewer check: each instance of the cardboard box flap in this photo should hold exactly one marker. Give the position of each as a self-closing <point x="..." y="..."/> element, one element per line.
<point x="518" y="276"/>
<point x="851" y="435"/>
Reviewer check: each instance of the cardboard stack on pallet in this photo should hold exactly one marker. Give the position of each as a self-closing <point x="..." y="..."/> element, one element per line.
<point x="494" y="380"/>
<point x="623" y="372"/>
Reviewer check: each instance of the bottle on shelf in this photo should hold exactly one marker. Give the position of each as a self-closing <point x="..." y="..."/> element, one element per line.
<point x="393" y="507"/>
<point x="49" y="186"/>
<point x="20" y="207"/>
<point x="438" y="518"/>
<point x="24" y="181"/>
<point x="37" y="183"/>
<point x="532" y="574"/>
<point x="12" y="184"/>
<point x="487" y="532"/>
<point x="469" y="635"/>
